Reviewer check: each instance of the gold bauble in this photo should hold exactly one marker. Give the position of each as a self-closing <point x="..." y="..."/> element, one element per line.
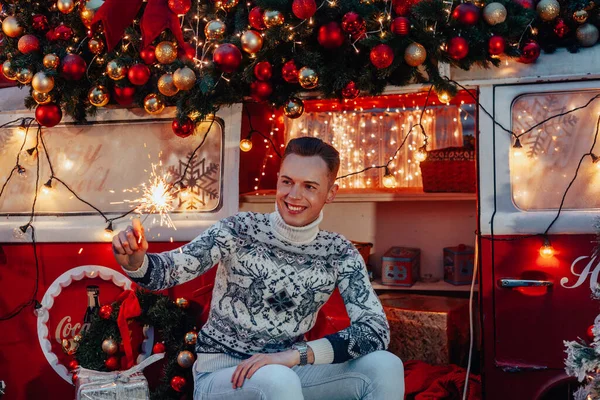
<point x="252" y="42"/>
<point x="308" y="78"/>
<point x="273" y="18"/>
<point x="191" y="337"/>
<point x="65" y="6"/>
<point x="184" y="78"/>
<point x="153" y="104"/>
<point x="110" y="346"/>
<point x="587" y="35"/>
<point x="182" y="303"/>
<point x="166" y="86"/>
<point x="42" y="83"/>
<point x="415" y="54"/>
<point x="494" y="13"/>
<point x="293" y="107"/>
<point x="245" y="145"/>
<point x="166" y="52"/>
<point x="51" y="61"/>
<point x="8" y="71"/>
<point x="116" y="70"/>
<point x="24" y="75"/>
<point x="87" y="16"/>
<point x="41" y="98"/>
<point x="185" y="359"/>
<point x="548" y="10"/>
<point x="214" y="30"/>
<point x="580" y="16"/>
<point x="11" y="27"/>
<point x="227" y="5"/>
<point x="96" y="45"/>
<point x="98" y="96"/>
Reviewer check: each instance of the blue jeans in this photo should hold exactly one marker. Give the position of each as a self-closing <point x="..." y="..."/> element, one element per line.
<point x="375" y="376"/>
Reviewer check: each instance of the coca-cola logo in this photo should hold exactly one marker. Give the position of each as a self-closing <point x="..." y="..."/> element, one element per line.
<point x="68" y="306"/>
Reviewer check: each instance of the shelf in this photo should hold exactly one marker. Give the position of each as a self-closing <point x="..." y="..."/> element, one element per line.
<point x="369" y="195"/>
<point x="439" y="286"/>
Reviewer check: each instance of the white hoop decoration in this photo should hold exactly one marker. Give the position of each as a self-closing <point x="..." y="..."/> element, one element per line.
<point x="74" y="274"/>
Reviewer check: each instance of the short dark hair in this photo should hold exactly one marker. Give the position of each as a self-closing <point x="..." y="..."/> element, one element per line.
<point x="311" y="146"/>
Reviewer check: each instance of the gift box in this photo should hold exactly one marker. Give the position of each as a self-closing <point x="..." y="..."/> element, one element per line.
<point x="400" y="266"/>
<point x="433" y="329"/>
<point x="458" y="264"/>
<point x="118" y="385"/>
<point x="451" y="169"/>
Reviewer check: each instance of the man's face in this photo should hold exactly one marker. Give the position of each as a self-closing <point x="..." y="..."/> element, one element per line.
<point x="303" y="188"/>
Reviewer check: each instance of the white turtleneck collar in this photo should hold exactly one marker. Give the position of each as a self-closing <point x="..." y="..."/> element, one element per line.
<point x="294" y="234"/>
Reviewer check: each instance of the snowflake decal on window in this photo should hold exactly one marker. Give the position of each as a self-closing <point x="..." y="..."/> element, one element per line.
<point x="201" y="179"/>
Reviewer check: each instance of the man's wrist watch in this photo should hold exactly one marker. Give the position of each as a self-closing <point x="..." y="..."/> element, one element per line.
<point x="302" y="348"/>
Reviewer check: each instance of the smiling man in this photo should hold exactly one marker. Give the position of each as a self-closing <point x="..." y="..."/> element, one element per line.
<point x="275" y="272"/>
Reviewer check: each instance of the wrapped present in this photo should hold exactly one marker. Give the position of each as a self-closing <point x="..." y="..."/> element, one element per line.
<point x="118" y="385"/>
<point x="458" y="264"/>
<point x="400" y="266"/>
<point x="428" y="328"/>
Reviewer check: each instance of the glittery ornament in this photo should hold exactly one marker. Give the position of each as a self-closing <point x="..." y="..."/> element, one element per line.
<point x="382" y="56"/>
<point x="42" y="82"/>
<point x="415" y="54"/>
<point x="166" y="86"/>
<point x="350" y="91"/>
<point x="255" y="19"/>
<point x="304" y="9"/>
<point x="110" y="346"/>
<point x="308" y="78"/>
<point x="185" y="359"/>
<point x="11" y="27"/>
<point x="548" y="9"/>
<point x="529" y="52"/>
<point x="561" y="29"/>
<point x="494" y="13"/>
<point x="105" y="311"/>
<point x="28" y="44"/>
<point x="587" y="35"/>
<point x="166" y="52"/>
<point x="153" y="104"/>
<point x="184" y="78"/>
<point x="190" y="338"/>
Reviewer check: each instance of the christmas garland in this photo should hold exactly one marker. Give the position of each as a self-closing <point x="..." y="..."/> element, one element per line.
<point x="78" y="57"/>
<point x="99" y="346"/>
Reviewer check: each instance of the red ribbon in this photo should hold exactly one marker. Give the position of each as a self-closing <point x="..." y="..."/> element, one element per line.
<point x="117" y="15"/>
<point x="130" y="308"/>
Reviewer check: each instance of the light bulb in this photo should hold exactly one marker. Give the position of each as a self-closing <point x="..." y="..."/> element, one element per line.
<point x="48" y="188"/>
<point x="245" y="145"/>
<point x="547" y="250"/>
<point x="389" y="180"/>
<point x="421" y="154"/>
<point x="444" y="96"/>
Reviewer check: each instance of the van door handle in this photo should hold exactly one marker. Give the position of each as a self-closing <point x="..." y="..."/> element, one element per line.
<point x="515" y="283"/>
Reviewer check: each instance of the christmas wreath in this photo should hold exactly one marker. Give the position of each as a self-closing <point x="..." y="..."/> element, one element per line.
<point x="197" y="56"/>
<point x="100" y="346"/>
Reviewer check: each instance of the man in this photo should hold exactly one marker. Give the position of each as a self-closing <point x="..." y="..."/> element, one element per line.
<point x="275" y="272"/>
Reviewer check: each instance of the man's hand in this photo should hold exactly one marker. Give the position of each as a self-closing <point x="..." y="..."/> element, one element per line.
<point x="248" y="367"/>
<point x="130" y="246"/>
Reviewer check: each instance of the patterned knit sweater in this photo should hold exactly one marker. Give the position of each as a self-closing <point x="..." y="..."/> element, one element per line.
<point x="271" y="281"/>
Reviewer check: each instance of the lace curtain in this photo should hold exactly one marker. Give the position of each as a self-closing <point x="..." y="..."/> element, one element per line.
<point x="371" y="138"/>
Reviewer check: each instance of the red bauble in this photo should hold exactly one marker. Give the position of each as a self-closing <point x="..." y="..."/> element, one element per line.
<point x="39" y="22"/>
<point x="178" y="383"/>
<point x="401" y="26"/>
<point x="263" y="71"/>
<point x="51" y="35"/>
<point x="255" y="19"/>
<point x="353" y="23"/>
<point x="525" y="3"/>
<point x="382" y="56"/>
<point x="304" y="9"/>
<point x="180" y="7"/>
<point x="158" y="348"/>
<point x="496" y="45"/>
<point x="124" y="96"/>
<point x="73" y="364"/>
<point x="331" y="35"/>
<point x="227" y="57"/>
<point x="561" y="29"/>
<point x="260" y="90"/>
<point x="466" y="13"/>
<point x="350" y="91"/>
<point x="48" y="115"/>
<point x="188" y="51"/>
<point x="105" y="311"/>
<point x="590" y="332"/>
<point x="72" y="67"/>
<point x="530" y="52"/>
<point x="112" y="363"/>
<point x="147" y="54"/>
<point x="289" y="72"/>
<point x="28" y="44"/>
<point x="182" y="129"/>
<point x="74" y="379"/>
<point x="402" y="7"/>
<point x="63" y="32"/>
<point x="138" y="74"/>
<point x="458" y="48"/>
